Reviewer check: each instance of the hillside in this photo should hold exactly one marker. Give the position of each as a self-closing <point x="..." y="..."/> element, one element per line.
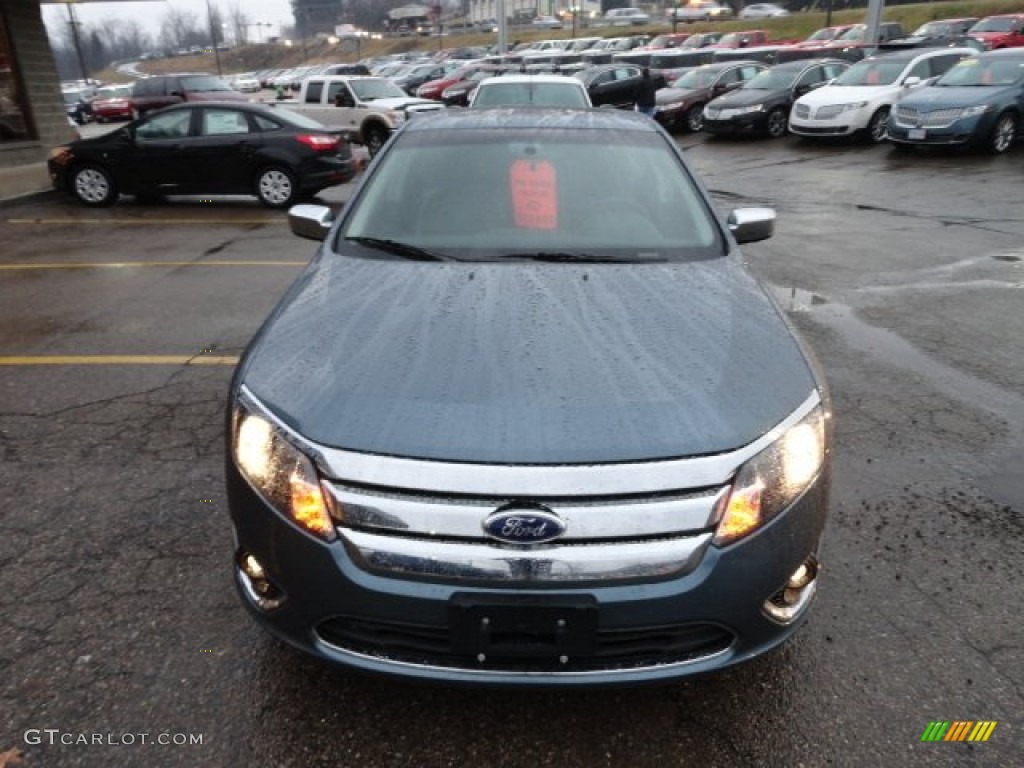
<point x="799" y="25"/>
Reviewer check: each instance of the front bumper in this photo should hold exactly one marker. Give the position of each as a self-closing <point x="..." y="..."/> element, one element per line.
<point x="754" y="122"/>
<point x="844" y="124"/>
<point x="962" y="131"/>
<point x="709" y="618"/>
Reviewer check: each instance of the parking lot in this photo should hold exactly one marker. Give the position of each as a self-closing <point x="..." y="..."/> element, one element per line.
<point x="119" y="328"/>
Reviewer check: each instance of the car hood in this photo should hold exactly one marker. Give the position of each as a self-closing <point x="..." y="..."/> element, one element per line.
<point x="676" y="95"/>
<point x="528" y="363"/>
<point x="400" y="103"/>
<point x="745" y="97"/>
<point x="845" y="94"/>
<point x="933" y="97"/>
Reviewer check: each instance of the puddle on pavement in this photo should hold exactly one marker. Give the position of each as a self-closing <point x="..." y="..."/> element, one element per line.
<point x="1006" y="482"/>
<point x="796" y="299"/>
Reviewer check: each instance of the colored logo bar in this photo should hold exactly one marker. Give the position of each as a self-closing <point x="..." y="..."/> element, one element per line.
<point x="958" y="730"/>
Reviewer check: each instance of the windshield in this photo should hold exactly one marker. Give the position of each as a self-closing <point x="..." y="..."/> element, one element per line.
<point x="931" y="29"/>
<point x="733" y="38"/>
<point x="548" y="194"/>
<point x="855" y="34"/>
<point x="986" y="71"/>
<point x="204" y="83"/>
<point x="828" y="33"/>
<point x="882" y="71"/>
<point x="695" y="78"/>
<point x="368" y="90"/>
<point x="771" y="81"/>
<point x="120" y="92"/>
<point x="698" y="41"/>
<point x="1003" y="24"/>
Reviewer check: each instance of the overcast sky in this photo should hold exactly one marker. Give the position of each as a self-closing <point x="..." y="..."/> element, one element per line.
<point x="149" y="14"/>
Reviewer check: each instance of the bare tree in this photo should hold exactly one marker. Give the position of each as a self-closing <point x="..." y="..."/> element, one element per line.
<point x="238" y="22"/>
<point x="179" y="29"/>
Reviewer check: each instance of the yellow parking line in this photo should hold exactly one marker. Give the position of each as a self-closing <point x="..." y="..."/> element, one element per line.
<point x="130" y="264"/>
<point x="71" y="220"/>
<point x="120" y="360"/>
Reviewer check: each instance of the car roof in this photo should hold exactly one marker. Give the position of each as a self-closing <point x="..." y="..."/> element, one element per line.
<point x="531" y="117"/>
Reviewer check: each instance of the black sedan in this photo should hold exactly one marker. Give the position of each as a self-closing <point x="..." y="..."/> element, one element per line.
<point x="210" y="149"/>
<point x="681" y="105"/>
<point x="762" y="105"/>
<point x="614" y="84"/>
<point x="526" y="418"/>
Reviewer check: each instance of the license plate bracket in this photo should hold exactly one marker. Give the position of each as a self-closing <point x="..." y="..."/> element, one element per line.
<point x="559" y="628"/>
<point x="916" y="134"/>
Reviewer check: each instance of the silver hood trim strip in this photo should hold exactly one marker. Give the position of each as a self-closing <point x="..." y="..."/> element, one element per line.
<point x="524" y="480"/>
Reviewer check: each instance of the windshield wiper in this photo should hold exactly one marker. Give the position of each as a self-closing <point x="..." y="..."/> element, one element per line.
<point x="585" y="258"/>
<point x="399" y="249"/>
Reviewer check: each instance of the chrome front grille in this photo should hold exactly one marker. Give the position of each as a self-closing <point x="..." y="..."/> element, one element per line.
<point x="827" y="113"/>
<point x="908" y="117"/>
<point x="606" y="539"/>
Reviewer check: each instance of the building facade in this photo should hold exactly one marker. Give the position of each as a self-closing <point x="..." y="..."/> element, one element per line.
<point x="32" y="115"/>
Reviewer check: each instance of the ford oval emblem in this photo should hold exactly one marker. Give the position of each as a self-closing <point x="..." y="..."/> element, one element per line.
<point x="521" y="524"/>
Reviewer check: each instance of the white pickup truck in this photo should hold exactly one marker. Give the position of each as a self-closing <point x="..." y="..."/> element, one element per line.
<point x="367" y="108"/>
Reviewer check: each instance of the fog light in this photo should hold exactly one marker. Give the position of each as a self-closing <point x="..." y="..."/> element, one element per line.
<point x="260" y="590"/>
<point x="789" y="602"/>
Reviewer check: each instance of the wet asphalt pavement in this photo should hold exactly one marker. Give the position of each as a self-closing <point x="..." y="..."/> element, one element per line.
<point x="119" y="618"/>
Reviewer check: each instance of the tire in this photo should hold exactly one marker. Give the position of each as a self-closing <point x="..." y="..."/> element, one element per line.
<point x="693" y="120"/>
<point x="93" y="185"/>
<point x="1003" y="135"/>
<point x="777" y="124"/>
<point x="276" y="187"/>
<point x="375" y="138"/>
<point x="877" y="126"/>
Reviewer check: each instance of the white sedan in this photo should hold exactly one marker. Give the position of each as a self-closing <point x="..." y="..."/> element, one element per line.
<point x="547" y="22"/>
<point x="246" y="83"/>
<point x="859" y="100"/>
<point x="763" y="11"/>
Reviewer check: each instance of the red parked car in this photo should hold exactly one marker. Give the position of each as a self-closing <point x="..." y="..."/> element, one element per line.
<point x="112" y="102"/>
<point x="432" y="89"/>
<point x="996" y="32"/>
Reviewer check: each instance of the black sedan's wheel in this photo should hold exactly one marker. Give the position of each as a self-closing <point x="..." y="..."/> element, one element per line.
<point x="375" y="138"/>
<point x="276" y="187"/>
<point x="93" y="185"/>
<point x="878" y="126"/>
<point x="777" y="124"/>
<point x="694" y="119"/>
<point x="1004" y="133"/>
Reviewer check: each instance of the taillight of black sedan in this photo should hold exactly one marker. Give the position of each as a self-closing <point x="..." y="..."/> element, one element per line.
<point x="209" y="149"/>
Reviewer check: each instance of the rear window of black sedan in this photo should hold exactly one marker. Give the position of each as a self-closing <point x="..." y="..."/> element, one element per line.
<point x="547" y="193"/>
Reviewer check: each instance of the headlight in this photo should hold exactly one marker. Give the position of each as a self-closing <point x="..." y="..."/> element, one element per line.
<point x="975" y="111"/>
<point x="669" y="107"/>
<point x="397" y="115"/>
<point x="748" y="110"/>
<point x="852" y="106"/>
<point x="774" y="478"/>
<point x="280" y="472"/>
<point x="60" y="155"/>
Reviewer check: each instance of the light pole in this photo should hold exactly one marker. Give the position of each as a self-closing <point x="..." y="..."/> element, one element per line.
<point x="213" y="35"/>
<point x="73" y="22"/>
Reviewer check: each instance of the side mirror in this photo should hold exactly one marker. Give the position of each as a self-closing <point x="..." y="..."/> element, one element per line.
<point x="124" y="134"/>
<point x="911" y="82"/>
<point x="312" y="222"/>
<point x="749" y="225"/>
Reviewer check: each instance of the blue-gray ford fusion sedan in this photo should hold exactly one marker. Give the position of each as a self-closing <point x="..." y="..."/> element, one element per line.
<point x="526" y="419"/>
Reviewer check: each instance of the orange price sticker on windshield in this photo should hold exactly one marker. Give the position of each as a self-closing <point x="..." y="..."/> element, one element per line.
<point x="534" y="190"/>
